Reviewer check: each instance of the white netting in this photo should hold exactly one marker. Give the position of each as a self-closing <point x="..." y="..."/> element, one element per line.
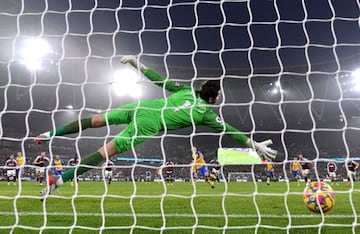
<point x="287" y="71"/>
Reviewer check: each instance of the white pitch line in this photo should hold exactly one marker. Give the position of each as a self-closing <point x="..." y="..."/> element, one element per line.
<point x="174" y="215"/>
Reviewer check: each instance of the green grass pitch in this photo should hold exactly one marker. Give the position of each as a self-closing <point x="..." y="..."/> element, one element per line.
<point x="124" y="207"/>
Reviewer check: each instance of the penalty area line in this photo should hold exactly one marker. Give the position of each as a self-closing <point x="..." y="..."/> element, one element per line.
<point x="173" y="215"/>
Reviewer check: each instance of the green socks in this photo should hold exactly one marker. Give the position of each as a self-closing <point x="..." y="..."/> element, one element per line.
<point x="71" y="128"/>
<point x="91" y="160"/>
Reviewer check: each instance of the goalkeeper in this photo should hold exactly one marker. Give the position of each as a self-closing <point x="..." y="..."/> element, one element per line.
<point x="148" y="118"/>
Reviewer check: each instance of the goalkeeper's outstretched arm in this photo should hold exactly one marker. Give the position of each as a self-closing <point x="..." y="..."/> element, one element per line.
<point x="155" y="77"/>
<point x="262" y="148"/>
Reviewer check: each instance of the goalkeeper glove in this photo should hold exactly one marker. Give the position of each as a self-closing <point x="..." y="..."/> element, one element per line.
<point x="263" y="149"/>
<point x="133" y="61"/>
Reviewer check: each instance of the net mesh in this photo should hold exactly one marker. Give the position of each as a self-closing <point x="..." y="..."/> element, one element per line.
<point x="287" y="72"/>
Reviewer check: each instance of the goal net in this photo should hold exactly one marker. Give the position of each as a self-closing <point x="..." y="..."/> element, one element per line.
<point x="288" y="72"/>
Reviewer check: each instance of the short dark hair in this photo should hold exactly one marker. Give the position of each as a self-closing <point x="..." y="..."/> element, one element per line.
<point x="210" y="89"/>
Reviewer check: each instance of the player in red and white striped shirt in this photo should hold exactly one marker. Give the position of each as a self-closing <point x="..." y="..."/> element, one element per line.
<point x="331" y="169"/>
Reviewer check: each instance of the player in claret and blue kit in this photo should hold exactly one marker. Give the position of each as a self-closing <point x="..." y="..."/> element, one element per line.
<point x="331" y="169"/>
<point x="169" y="171"/>
<point x="107" y="169"/>
<point x="215" y="170"/>
<point x="10" y="166"/>
<point x="184" y="108"/>
<point x="41" y="162"/>
<point x="351" y="166"/>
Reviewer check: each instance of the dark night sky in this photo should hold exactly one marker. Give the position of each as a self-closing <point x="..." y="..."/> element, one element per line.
<point x="310" y="41"/>
<point x="260" y="28"/>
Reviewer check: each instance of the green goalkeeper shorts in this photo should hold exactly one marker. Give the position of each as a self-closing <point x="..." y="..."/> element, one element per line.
<point x="142" y="125"/>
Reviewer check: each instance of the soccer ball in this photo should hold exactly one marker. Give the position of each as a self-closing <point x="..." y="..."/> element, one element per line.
<point x="319" y="197"/>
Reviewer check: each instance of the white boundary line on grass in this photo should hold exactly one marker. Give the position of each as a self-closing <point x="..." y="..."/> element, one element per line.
<point x="176" y="215"/>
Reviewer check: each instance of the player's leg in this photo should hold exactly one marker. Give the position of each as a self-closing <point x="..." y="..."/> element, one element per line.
<point x="86" y="164"/>
<point x="17" y="174"/>
<point x="110" y="177"/>
<point x="268" y="178"/>
<point x="41" y="176"/>
<point x="37" y="172"/>
<point x="122" y="142"/>
<point x="122" y="115"/>
<point x="168" y="177"/>
<point x="194" y="176"/>
<point x="73" y="127"/>
<point x="305" y="175"/>
<point x="215" y="174"/>
<point x="351" y="178"/>
<point x="209" y="178"/>
<point x="297" y="177"/>
<point x="172" y="178"/>
<point x="332" y="178"/>
<point x="212" y="179"/>
<point x="335" y="179"/>
<point x="193" y="173"/>
<point x="8" y="177"/>
<point x="14" y="177"/>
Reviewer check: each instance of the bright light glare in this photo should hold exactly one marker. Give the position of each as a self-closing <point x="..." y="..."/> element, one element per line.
<point x="275" y="91"/>
<point x="125" y="83"/>
<point x="356" y="74"/>
<point x="34" y="50"/>
<point x="70" y="107"/>
<point x="356" y="78"/>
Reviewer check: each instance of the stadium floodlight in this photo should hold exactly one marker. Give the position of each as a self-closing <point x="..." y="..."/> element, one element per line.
<point x="125" y="82"/>
<point x="33" y="52"/>
<point x="275" y="91"/>
<point x="70" y="107"/>
<point x="356" y="74"/>
<point x="356" y="79"/>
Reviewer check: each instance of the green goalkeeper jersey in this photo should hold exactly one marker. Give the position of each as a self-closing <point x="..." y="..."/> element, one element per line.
<point x="185" y="108"/>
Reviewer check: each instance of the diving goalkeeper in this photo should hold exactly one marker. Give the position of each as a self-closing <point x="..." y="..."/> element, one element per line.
<point x="150" y="117"/>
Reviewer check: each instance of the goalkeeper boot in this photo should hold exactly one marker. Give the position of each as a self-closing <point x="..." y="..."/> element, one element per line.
<point x="41" y="139"/>
<point x="53" y="183"/>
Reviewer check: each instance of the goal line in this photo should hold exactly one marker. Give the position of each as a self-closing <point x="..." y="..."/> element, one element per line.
<point x="174" y="215"/>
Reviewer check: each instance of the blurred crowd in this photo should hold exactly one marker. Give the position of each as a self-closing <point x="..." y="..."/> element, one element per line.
<point x="179" y="153"/>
